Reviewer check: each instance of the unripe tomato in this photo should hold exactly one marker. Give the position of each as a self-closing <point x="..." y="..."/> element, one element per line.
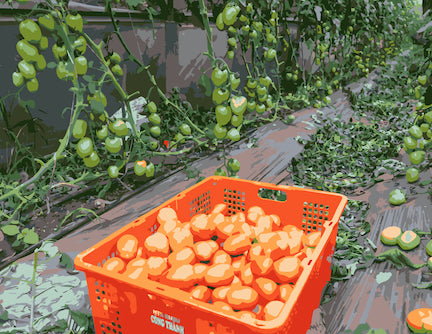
<point x="117" y="70"/>
<point x="61" y="71"/>
<point x="233" y="134"/>
<point x="43" y="43"/>
<point x="229" y="15"/>
<point x="220" y="95"/>
<point x="98" y="96"/>
<point x="32" y="85"/>
<point x="140" y="167"/>
<point x="230" y="54"/>
<point x="17" y="78"/>
<point x="75" y="22"/>
<point x="251" y="105"/>
<point x="113" y="145"/>
<point x="120" y="128"/>
<point x="58" y="51"/>
<point x="30" y="30"/>
<point x="236" y="120"/>
<point x="81" y="65"/>
<point x="150" y="170"/>
<point x="412" y="174"/>
<point x="47" y="21"/>
<point x="84" y="147"/>
<point x="417" y="157"/>
<point x="113" y="171"/>
<point x="27" y="51"/>
<point x="235" y="81"/>
<point x="185" y="129"/>
<point x="155" y="131"/>
<point x="219" y="22"/>
<point x="40" y="63"/>
<point x="102" y="133"/>
<point x="155" y="118"/>
<point x="27" y="70"/>
<point x="80" y="44"/>
<point x="251" y="83"/>
<point x="219" y="131"/>
<point x="223" y="114"/>
<point x="220" y="172"/>
<point x="260" y="108"/>
<point x="219" y="77"/>
<point x="152" y="107"/>
<point x="92" y="160"/>
<point x="115" y="58"/>
<point x="80" y="128"/>
<point x="233" y="165"/>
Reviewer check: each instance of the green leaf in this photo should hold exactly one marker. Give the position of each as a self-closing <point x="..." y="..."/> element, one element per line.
<point x="4" y="316"/>
<point x="60" y="326"/>
<point x="423" y="285"/>
<point x="205" y="82"/>
<point x="97" y="106"/>
<point x="88" y="78"/>
<point x="66" y="261"/>
<point x="398" y="258"/>
<point x="80" y="318"/>
<point x="27" y="103"/>
<point x="31" y="237"/>
<point x="10" y="230"/>
<point x="361" y="328"/>
<point x="92" y="87"/>
<point x="425" y="182"/>
<point x="133" y="3"/>
<point x="52" y="65"/>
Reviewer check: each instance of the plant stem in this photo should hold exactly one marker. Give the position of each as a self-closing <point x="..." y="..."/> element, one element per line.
<point x="204" y="16"/>
<point x="32" y="292"/>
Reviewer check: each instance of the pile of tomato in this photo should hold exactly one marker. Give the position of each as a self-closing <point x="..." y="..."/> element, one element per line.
<point x="245" y="265"/>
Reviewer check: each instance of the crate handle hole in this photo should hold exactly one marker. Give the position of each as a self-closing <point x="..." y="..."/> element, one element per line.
<point x="275" y="195"/>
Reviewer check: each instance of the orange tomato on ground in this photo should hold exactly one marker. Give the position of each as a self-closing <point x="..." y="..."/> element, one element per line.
<point x="420" y="320"/>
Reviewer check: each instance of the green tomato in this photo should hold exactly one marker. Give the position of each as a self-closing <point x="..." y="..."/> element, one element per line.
<point x="271" y="54"/>
<point x="80" y="44"/>
<point x="102" y="133"/>
<point x="233" y="134"/>
<point x="424" y="127"/>
<point x="140" y="167"/>
<point x="229" y="15"/>
<point x="232" y="42"/>
<point x="92" y="160"/>
<point x="113" y="172"/>
<point x="258" y="25"/>
<point x="251" y="105"/>
<point x="40" y="63"/>
<point x="219" y="131"/>
<point x="99" y="97"/>
<point x="251" y="83"/>
<point x="415" y="132"/>
<point x="220" y="95"/>
<point x="115" y="58"/>
<point x="43" y="43"/>
<point x="290" y="119"/>
<point x="219" y="22"/>
<point x="155" y="118"/>
<point x="117" y="70"/>
<point x="230" y="54"/>
<point x="236" y="120"/>
<point x="32" y="85"/>
<point x="327" y="100"/>
<point x="155" y="131"/>
<point x="47" y="21"/>
<point x="58" y="51"/>
<point x="150" y="170"/>
<point x="261" y="90"/>
<point x="410" y="142"/>
<point x="27" y="70"/>
<point x="152" y="107"/>
<point x="27" y="51"/>
<point x="412" y="174"/>
<point x="428" y="117"/>
<point x="253" y="34"/>
<point x="260" y="108"/>
<point x="17" y="79"/>
<point x="223" y="114"/>
<point x="30" y="30"/>
<point x="417" y="157"/>
<point x="318" y="83"/>
<point x="262" y="98"/>
<point x="265" y="81"/>
<point x="75" y="22"/>
<point x="422" y="79"/>
<point x="397" y="197"/>
<point x="219" y="77"/>
<point x="120" y="128"/>
<point x="113" y="145"/>
<point x="185" y="129"/>
<point x="80" y="128"/>
<point x="246" y="28"/>
<point x="234" y="81"/>
<point x="233" y="165"/>
<point x="220" y="172"/>
<point x="81" y="65"/>
<point x="84" y="147"/>
<point x="238" y="104"/>
<point x="61" y="71"/>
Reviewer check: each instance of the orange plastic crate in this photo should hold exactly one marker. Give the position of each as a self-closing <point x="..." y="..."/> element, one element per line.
<point x="122" y="306"/>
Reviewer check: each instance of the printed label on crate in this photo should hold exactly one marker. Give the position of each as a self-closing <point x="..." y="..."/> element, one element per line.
<point x="167" y="321"/>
